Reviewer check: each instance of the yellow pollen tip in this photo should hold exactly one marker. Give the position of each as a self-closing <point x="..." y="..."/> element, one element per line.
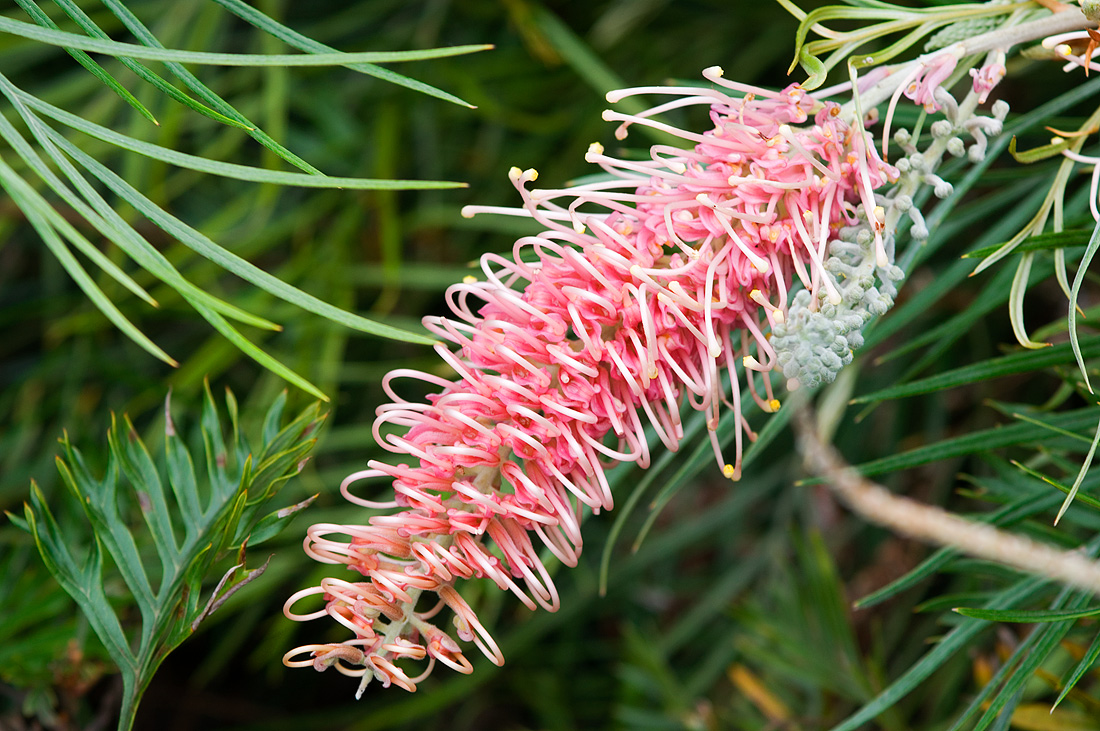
<point x="531" y="174"/>
<point x="714" y="71"/>
<point x="1062" y="49"/>
<point x="750" y="362"/>
<point x="728" y="471"/>
<point x="774" y="405"/>
<point x="754" y="294"/>
<point x="880" y="214"/>
<point x="469" y="279"/>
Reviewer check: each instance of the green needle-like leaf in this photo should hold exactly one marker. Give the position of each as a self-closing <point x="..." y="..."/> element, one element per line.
<point x="297" y="40"/>
<point x="86" y="61"/>
<point x="225" y="169"/>
<point x="1026" y="615"/>
<point x="227" y="259"/>
<point x="1029" y="361"/>
<point x="89" y="27"/>
<point x="1075" y="293"/>
<point x="130" y="50"/>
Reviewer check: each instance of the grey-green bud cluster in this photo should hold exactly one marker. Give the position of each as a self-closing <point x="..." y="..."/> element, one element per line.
<point x="814" y="343"/>
<point x="964" y="30"/>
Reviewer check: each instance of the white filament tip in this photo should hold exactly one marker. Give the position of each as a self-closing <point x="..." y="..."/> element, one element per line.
<point x="715" y="71"/>
<point x="469" y="279"/>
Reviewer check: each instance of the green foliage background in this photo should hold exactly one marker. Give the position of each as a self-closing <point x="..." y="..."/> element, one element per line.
<point x="735" y="610"/>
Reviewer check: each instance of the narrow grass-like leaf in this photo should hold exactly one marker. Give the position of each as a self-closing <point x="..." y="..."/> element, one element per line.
<point x="1051" y="240"/>
<point x="954" y="641"/>
<point x="56" y="221"/>
<point x="1026" y="616"/>
<point x="299" y="41"/>
<point x="1086" y="499"/>
<point x="204" y="92"/>
<point x="1075" y="293"/>
<point x="1080" y="475"/>
<point x="230" y="261"/>
<point x="86" y="61"/>
<point x="1016" y="303"/>
<point x="145" y="53"/>
<point x="1050" y="426"/>
<point x="1080" y="669"/>
<point x="1029" y="361"/>
<point x="227" y="169"/>
<point x="775" y="425"/>
<point x="24" y="197"/>
<point x="89" y="27"/>
<point x="104" y="218"/>
<point x="256" y="353"/>
<point x="975" y="442"/>
<point x="1033" y="652"/>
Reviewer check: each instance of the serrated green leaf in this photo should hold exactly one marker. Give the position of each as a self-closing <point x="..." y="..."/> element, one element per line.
<point x="139" y="646"/>
<point x="273" y="418"/>
<point x="274" y="523"/>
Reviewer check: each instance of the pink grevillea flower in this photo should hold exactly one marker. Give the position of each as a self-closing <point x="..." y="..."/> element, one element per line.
<point x="988" y="76"/>
<point x="654" y="287"/>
